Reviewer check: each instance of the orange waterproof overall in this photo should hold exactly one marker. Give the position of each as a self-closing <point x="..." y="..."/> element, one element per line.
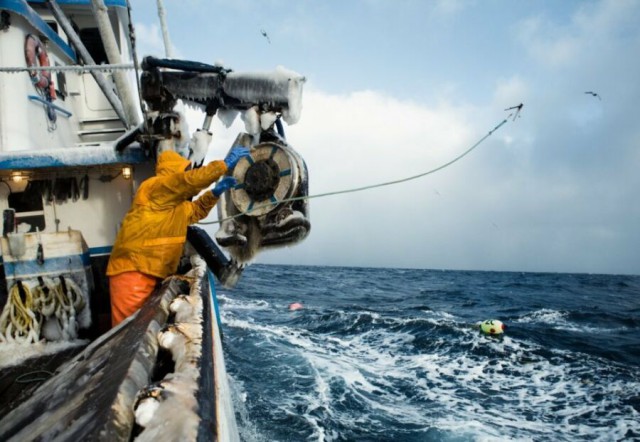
<point x="150" y="242"/>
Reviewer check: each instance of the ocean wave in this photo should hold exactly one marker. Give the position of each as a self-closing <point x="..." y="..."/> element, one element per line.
<point x="417" y="368"/>
<point x="560" y="320"/>
<point x="473" y="378"/>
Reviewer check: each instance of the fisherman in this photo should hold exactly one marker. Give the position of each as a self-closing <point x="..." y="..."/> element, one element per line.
<point x="149" y="244"/>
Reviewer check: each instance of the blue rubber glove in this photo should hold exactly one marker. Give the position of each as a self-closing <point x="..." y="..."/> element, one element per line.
<point x="223" y="185"/>
<point x="234" y="155"/>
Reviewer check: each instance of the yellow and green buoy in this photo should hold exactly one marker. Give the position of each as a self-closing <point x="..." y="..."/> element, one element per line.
<point x="492" y="327"/>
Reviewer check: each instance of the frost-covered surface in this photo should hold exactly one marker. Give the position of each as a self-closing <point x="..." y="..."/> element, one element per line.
<point x="94" y="395"/>
<point x="170" y="407"/>
<point x="268" y="224"/>
<point x="52" y="311"/>
<point x="282" y="86"/>
<point x="97" y="388"/>
<point x="55" y="301"/>
<point x="70" y="156"/>
<point x="15" y="354"/>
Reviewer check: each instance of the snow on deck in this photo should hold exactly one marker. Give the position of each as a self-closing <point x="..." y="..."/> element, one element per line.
<point x="71" y="156"/>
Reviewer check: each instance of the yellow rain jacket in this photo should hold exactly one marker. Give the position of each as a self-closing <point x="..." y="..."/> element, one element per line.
<point x="154" y="230"/>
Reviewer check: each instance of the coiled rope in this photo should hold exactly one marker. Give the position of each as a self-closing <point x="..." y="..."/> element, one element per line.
<point x="372" y="186"/>
<point x="18" y="322"/>
<point x="27" y="309"/>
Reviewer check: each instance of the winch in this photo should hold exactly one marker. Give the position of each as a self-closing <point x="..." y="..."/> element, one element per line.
<point x="267" y="177"/>
<point x="267" y="207"/>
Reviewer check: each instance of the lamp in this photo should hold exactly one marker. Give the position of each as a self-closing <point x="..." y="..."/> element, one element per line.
<point x="126" y="172"/>
<point x="16" y="177"/>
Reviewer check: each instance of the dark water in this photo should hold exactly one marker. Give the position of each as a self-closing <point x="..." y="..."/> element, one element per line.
<point x="392" y="355"/>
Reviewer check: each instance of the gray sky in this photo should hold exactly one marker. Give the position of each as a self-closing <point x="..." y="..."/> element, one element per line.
<point x="396" y="88"/>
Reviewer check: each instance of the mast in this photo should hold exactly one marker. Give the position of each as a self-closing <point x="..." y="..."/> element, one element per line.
<point x="168" y="50"/>
<point x="113" y="54"/>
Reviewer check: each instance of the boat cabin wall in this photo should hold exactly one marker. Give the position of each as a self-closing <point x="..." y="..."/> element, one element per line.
<point x="43" y="207"/>
<point x="83" y="115"/>
<point x="93" y="202"/>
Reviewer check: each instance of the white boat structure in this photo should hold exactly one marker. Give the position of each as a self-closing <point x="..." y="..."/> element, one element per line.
<point x="81" y="123"/>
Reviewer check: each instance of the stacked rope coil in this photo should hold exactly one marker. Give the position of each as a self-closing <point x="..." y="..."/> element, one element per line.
<point x="51" y="303"/>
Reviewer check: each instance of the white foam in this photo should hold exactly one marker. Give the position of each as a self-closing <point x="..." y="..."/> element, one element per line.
<point x="467" y="383"/>
<point x="559" y="321"/>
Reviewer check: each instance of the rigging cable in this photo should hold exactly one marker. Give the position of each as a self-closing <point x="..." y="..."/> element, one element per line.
<point x="372" y="186"/>
<point x="70" y="68"/>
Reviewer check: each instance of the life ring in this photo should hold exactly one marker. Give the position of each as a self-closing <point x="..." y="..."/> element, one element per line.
<point x="36" y="55"/>
<point x="267" y="177"/>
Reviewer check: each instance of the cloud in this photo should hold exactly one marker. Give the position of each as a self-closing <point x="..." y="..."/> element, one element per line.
<point x="149" y="40"/>
<point x="366" y="138"/>
<point x="448" y="7"/>
<point x="592" y="34"/>
<point x="495" y="209"/>
<point x="554" y="190"/>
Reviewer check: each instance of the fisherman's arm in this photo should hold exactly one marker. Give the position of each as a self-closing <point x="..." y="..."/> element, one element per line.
<point x="176" y="187"/>
<point x="202" y="206"/>
<point x="204" y="176"/>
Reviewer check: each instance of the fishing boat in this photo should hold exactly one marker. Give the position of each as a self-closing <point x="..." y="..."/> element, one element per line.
<point x="81" y="124"/>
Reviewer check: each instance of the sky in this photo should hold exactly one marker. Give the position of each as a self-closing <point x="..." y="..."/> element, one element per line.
<point x="396" y="88"/>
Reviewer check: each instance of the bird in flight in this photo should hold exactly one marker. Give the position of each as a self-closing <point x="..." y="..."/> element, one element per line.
<point x="265" y="35"/>
<point x="594" y="94"/>
<point x="516" y="110"/>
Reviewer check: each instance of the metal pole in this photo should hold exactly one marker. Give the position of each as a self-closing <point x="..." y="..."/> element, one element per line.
<point x="168" y="50"/>
<point x="101" y="14"/>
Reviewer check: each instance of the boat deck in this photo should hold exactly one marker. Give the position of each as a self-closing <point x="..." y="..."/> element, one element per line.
<point x="92" y="395"/>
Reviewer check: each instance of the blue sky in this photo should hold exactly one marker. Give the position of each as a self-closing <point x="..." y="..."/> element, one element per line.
<point x="395" y="88"/>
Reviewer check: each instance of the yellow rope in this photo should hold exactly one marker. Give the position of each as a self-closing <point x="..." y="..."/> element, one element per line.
<point x="18" y="321"/>
<point x="22" y="317"/>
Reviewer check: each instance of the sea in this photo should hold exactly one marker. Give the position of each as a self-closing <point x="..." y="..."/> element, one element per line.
<point x="382" y="354"/>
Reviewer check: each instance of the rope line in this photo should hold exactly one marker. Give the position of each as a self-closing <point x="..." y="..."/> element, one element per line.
<point x="372" y="186"/>
<point x="83" y="68"/>
<point x="26" y="377"/>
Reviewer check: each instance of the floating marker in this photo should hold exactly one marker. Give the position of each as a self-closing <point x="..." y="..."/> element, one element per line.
<point x="492" y="327"/>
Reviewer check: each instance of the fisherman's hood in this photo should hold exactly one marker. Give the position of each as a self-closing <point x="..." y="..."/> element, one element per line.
<point x="170" y="162"/>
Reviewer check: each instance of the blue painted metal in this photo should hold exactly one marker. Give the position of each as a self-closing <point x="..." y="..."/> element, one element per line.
<point x="212" y="286"/>
<point x="64" y="112"/>
<point x="103" y="250"/>
<point x="21" y="7"/>
<point x="108" y="3"/>
<point x="53" y="266"/>
<point x="72" y="156"/>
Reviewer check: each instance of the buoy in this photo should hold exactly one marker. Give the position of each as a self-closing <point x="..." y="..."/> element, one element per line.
<point x="295" y="306"/>
<point x="492" y="327"/>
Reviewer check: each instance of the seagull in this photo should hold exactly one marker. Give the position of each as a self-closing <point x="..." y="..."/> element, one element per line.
<point x="594" y="94"/>
<point x="265" y="35"/>
<point x="517" y="108"/>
